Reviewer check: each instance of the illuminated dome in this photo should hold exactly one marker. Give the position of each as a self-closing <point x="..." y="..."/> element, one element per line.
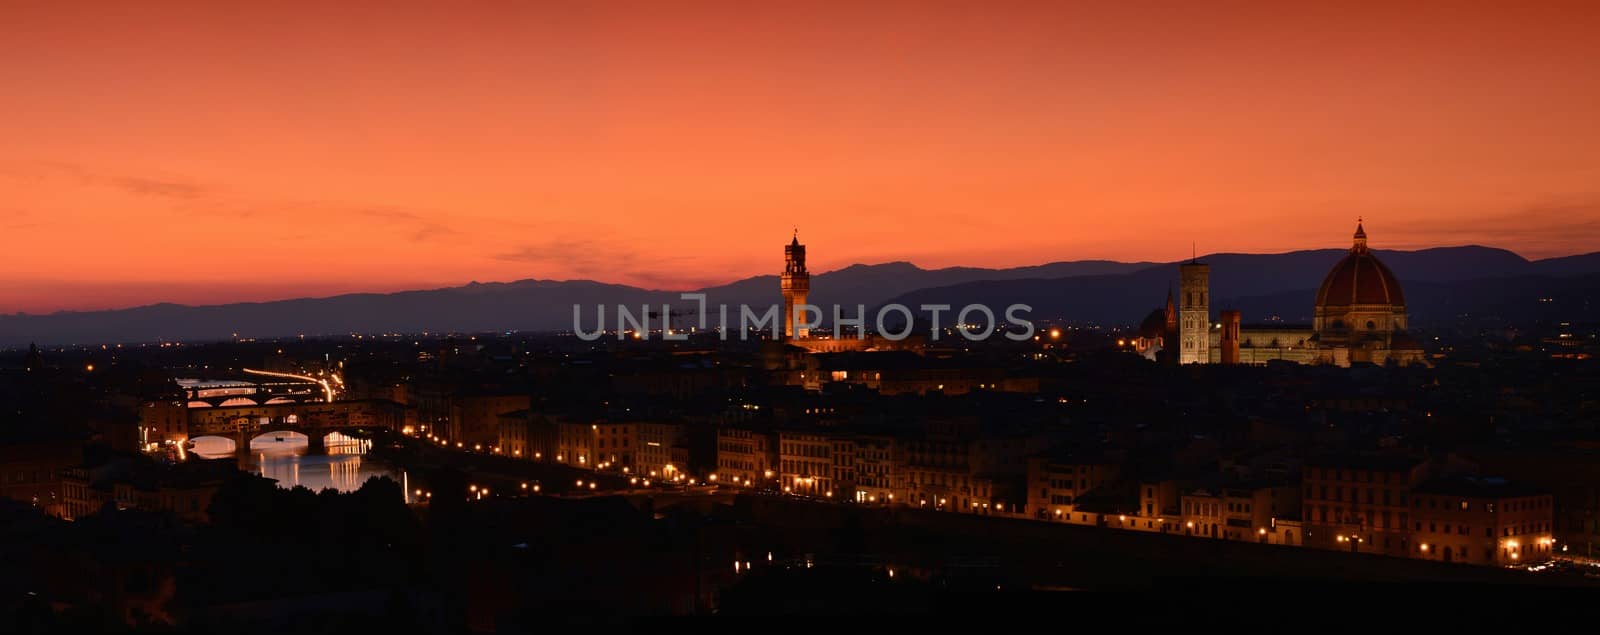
<point x="1360" y="294"/>
<point x="1359" y="279"/>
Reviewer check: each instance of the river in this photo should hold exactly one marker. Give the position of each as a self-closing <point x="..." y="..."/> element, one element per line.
<point x="344" y="468"/>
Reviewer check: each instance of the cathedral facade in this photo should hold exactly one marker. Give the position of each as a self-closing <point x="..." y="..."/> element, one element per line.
<point x="1359" y="316"/>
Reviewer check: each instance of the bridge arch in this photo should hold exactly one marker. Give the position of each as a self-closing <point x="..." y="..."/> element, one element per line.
<point x="279" y="439"/>
<point x="287" y="436"/>
<point x="212" y="446"/>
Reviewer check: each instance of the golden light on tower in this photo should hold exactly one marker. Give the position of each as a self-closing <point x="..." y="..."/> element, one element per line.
<point x="795" y="284"/>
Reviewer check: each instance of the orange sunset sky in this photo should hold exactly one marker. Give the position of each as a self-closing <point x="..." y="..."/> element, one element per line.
<point x="205" y="152"/>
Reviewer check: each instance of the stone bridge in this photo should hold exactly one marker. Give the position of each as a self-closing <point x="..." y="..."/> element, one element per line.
<point x="212" y="394"/>
<point x="315" y="420"/>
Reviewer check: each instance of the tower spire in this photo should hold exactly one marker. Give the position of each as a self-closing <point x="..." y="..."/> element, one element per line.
<point x="1360" y="245"/>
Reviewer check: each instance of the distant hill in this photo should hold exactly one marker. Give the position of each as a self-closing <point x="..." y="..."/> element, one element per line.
<point x="1567" y="265"/>
<point x="1438" y="284"/>
<point x="1092" y="290"/>
<point x="872" y="284"/>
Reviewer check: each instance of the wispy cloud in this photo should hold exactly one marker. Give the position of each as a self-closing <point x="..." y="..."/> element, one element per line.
<point x="419" y="227"/>
<point x="17" y="220"/>
<point x="389" y="214"/>
<point x="160" y="188"/>
<point x="653" y="280"/>
<point x="600" y="259"/>
<point x="1539" y="229"/>
<point x="580" y="256"/>
<point x="193" y="197"/>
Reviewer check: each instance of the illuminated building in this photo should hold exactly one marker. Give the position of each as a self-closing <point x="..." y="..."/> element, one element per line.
<point x="744" y="456"/>
<point x="1161" y="500"/>
<point x="843" y="454"/>
<point x="1359" y="317"/>
<point x="1481" y="521"/>
<point x="958" y="465"/>
<point x="474" y="418"/>
<point x="642" y="447"/>
<point x="1158" y="335"/>
<point x="878" y="471"/>
<point x="1194" y="312"/>
<point x="1228" y="323"/>
<point x="517" y="435"/>
<point x="1243" y="512"/>
<point x="163" y="422"/>
<point x="1056" y="483"/>
<point x="1361" y="312"/>
<point x="1568" y="470"/>
<point x="1359" y="503"/>
<point x="796" y="285"/>
<point x="574" y="443"/>
<point x="805" y="462"/>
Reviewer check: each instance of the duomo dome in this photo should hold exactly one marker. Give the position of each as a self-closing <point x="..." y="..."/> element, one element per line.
<point x="1360" y="295"/>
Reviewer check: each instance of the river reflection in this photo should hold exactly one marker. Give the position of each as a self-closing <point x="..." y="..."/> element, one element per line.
<point x="284" y="458"/>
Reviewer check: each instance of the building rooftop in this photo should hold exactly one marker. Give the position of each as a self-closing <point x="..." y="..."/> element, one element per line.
<point x="1374" y="462"/>
<point x="1477" y="487"/>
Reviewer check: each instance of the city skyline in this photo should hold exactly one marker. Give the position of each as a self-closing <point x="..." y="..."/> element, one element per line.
<point x="505" y="316"/>
<point x="181" y="153"/>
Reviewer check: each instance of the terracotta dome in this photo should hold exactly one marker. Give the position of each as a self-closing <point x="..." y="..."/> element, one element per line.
<point x="1154" y="325"/>
<point x="1360" y="279"/>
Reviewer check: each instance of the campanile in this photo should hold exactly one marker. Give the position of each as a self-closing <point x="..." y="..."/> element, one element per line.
<point x="1194" y="313"/>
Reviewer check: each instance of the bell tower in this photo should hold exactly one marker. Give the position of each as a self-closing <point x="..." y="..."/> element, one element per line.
<point x="1194" y="313"/>
<point x="796" y="284"/>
